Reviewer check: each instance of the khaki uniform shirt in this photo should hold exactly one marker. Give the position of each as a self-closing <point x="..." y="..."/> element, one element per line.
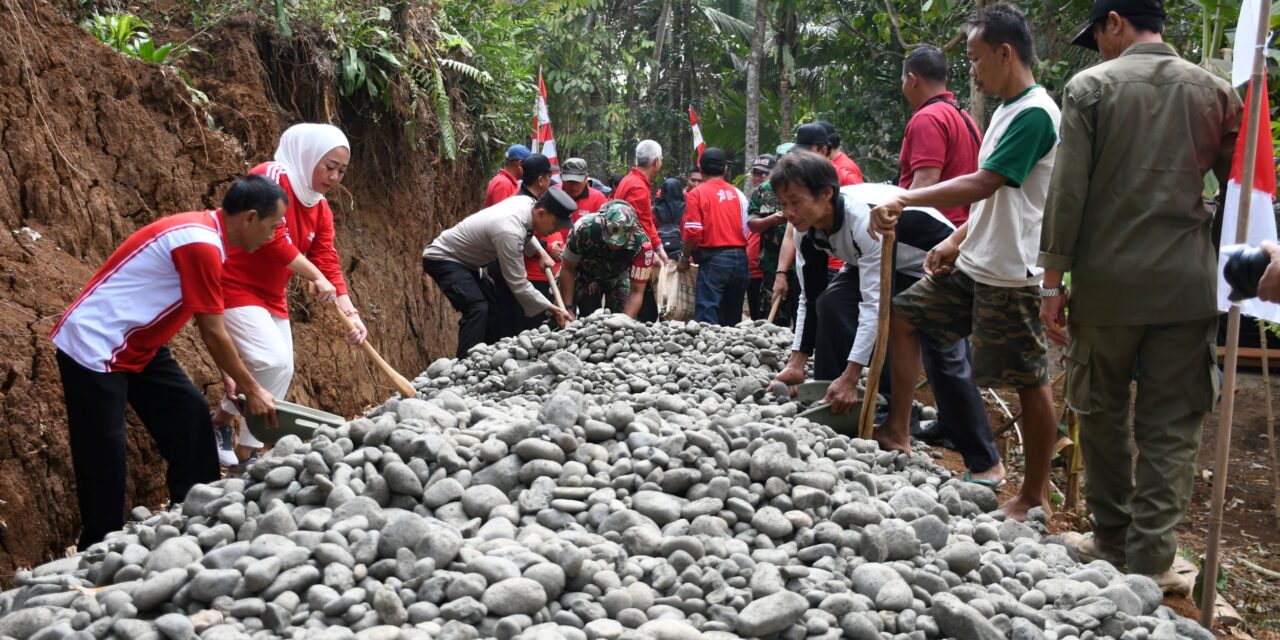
<point x="503" y="232"/>
<point x="1125" y="213"/>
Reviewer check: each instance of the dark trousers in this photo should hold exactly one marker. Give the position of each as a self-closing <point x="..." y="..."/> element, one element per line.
<point x="472" y="296"/>
<point x="816" y="275"/>
<point x="533" y="322"/>
<point x="510" y="319"/>
<point x="648" y="310"/>
<point x="172" y="409"/>
<point x="754" y="304"/>
<point x="962" y="415"/>
<point x="721" y="288"/>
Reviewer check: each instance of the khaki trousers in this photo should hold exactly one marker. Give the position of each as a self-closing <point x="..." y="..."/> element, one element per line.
<point x="1136" y="504"/>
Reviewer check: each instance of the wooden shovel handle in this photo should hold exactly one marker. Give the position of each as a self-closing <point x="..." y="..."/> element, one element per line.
<point x="866" y="424"/>
<point x="398" y="381"/>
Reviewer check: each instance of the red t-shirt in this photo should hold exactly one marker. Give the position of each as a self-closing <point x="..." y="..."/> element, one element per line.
<point x="259" y="279"/>
<point x="847" y="169"/>
<point x="589" y="201"/>
<point x="533" y="264"/>
<point x="502" y="186"/>
<point x="637" y="191"/>
<point x="937" y="136"/>
<point x="145" y="292"/>
<point x="753" y="255"/>
<point x="642" y="265"/>
<point x="713" y="216"/>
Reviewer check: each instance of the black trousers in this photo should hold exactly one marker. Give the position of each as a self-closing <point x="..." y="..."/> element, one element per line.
<point x="962" y="415"/>
<point x="648" y="310"/>
<point x="472" y="296"/>
<point x="753" y="300"/>
<point x="533" y="322"/>
<point x="172" y="409"/>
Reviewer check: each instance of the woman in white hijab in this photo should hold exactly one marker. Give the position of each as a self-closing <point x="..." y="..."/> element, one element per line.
<point x="310" y="160"/>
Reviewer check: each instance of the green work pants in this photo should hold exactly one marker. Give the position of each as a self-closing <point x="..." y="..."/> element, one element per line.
<point x="1136" y="503"/>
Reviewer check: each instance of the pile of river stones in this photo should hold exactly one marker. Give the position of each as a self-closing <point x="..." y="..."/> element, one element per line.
<point x="613" y="480"/>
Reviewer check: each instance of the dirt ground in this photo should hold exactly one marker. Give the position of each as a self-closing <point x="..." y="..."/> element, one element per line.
<point x="1250" y="522"/>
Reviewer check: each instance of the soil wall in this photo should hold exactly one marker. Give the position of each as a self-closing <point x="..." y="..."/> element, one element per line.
<point x="94" y="144"/>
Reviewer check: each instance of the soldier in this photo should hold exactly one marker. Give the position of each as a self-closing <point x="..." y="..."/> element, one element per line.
<point x="764" y="218"/>
<point x="608" y="252"/>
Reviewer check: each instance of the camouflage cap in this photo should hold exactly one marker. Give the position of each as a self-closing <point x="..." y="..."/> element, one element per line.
<point x="620" y="223"/>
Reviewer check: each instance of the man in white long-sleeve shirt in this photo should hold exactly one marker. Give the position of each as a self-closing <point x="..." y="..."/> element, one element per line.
<point x="834" y="219"/>
<point x="503" y="233"/>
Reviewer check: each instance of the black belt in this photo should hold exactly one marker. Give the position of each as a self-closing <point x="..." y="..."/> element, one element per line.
<point x="708" y="253"/>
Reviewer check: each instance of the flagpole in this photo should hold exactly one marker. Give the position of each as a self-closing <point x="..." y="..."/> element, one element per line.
<point x="1209" y="576"/>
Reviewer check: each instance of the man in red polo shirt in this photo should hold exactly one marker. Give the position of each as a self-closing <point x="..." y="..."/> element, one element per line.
<point x="111" y="349"/>
<point x="941" y="141"/>
<point x="637" y="189"/>
<point x="507" y="181"/>
<point x="576" y="183"/>
<point x="846" y="168"/>
<point x="715" y="234"/>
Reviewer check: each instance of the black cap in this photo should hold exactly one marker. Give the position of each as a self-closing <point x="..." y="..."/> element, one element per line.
<point x="764" y="162"/>
<point x="812" y="135"/>
<point x="713" y="161"/>
<point x="1125" y="8"/>
<point x="536" y="166"/>
<point x="833" y="136"/>
<point x="560" y="204"/>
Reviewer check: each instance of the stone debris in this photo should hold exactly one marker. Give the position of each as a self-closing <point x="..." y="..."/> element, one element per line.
<point x="611" y="481"/>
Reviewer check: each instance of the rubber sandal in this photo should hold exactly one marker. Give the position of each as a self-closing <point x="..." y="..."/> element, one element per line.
<point x="991" y="484"/>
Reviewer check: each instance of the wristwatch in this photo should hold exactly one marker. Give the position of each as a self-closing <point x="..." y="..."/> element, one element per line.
<point x="1054" y="292"/>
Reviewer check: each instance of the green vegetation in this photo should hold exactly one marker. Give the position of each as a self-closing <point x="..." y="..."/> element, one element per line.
<point x="131" y="36"/>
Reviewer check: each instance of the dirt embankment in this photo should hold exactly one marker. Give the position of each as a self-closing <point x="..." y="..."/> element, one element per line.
<point x="93" y="145"/>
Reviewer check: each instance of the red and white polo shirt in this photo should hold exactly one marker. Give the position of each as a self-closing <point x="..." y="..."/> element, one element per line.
<point x="162" y="275"/>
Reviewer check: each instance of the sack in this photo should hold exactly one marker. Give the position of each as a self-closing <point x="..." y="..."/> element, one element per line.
<point x="676" y="293"/>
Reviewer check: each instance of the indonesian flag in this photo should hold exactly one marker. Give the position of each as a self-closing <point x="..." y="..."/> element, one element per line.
<point x="1262" y="222"/>
<point x="542" y="137"/>
<point x="697" y="133"/>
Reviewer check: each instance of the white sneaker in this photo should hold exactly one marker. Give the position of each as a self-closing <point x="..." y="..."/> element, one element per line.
<point x="226" y="447"/>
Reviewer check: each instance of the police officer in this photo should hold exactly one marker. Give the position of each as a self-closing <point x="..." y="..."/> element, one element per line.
<point x="503" y="233"/>
<point x="610" y="252"/>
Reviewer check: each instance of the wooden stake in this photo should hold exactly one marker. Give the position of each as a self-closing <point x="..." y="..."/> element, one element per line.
<point x="1271" y="417"/>
<point x="866" y="423"/>
<point x="1221" y="458"/>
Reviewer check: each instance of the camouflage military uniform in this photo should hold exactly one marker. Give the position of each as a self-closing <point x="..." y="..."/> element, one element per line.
<point x="610" y="250"/>
<point x="764" y="203"/>
<point x="1009" y="345"/>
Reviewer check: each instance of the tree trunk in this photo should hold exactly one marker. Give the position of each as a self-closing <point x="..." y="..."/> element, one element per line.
<point x="753" y="85"/>
<point x="978" y="101"/>
<point x="785" y="38"/>
<point x="660" y="41"/>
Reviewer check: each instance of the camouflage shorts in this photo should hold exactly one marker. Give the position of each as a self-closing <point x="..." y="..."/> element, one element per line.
<point x="1010" y="348"/>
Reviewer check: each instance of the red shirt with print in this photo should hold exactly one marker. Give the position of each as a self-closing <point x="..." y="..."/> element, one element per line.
<point x="258" y="279"/>
<point x="713" y="216"/>
<point x="589" y="201"/>
<point x="533" y="264"/>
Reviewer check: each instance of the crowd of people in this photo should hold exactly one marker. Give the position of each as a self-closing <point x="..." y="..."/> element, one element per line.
<point x="986" y="226"/>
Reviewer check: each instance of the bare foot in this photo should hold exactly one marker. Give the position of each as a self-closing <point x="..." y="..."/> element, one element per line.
<point x="994" y="474"/>
<point x="889" y="443"/>
<point x="1018" y="507"/>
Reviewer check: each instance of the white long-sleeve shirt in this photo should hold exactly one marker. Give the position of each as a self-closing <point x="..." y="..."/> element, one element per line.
<point x="919" y="229"/>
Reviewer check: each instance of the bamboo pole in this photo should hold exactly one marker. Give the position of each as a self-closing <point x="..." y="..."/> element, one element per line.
<point x="1221" y="457"/>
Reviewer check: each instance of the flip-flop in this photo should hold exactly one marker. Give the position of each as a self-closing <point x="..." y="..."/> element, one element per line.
<point x="991" y="484"/>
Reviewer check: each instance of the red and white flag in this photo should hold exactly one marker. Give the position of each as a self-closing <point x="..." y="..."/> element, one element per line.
<point x="544" y="141"/>
<point x="1262" y="221"/>
<point x="697" y="133"/>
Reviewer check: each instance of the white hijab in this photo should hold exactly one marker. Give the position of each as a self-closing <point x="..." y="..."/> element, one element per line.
<point x="300" y="150"/>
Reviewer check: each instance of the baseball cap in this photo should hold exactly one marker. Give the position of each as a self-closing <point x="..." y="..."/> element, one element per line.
<point x="560" y="204"/>
<point x="1125" y="8"/>
<point x="764" y="162"/>
<point x="535" y="166"/>
<point x="620" y="222"/>
<point x="812" y="135"/>
<point x="713" y="161"/>
<point x="574" y="170"/>
<point x="517" y="152"/>
<point x="784" y="148"/>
